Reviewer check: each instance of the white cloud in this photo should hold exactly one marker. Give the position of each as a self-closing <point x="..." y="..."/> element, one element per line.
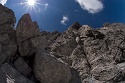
<point x="46" y="5"/>
<point x="3" y="2"/>
<point x="76" y="10"/>
<point x="92" y="6"/>
<point x="64" y="20"/>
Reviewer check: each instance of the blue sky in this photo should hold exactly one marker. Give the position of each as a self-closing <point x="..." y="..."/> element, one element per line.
<point x="58" y="15"/>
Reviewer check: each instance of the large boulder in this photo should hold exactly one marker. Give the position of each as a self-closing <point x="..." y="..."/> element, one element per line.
<point x="50" y="70"/>
<point x="8" y="74"/>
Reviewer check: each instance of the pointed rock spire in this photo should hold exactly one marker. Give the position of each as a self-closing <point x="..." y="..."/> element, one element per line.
<point x="76" y="26"/>
<point x="26" y="28"/>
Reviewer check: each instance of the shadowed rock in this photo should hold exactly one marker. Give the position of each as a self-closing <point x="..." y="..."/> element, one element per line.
<point x="9" y="74"/>
<point x="22" y="67"/>
<point x="6" y="16"/>
<point x="50" y="70"/>
<point x="8" y="46"/>
<point x="26" y="28"/>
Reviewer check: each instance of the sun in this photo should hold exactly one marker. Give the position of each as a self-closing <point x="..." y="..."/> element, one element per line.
<point x="31" y="2"/>
<point x="33" y="5"/>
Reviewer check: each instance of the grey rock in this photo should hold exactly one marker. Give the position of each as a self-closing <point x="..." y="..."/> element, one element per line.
<point x="106" y="24"/>
<point x="22" y="67"/>
<point x="80" y="63"/>
<point x="29" y="37"/>
<point x="25" y="28"/>
<point x="0" y="48"/>
<point x="8" y="74"/>
<point x="104" y="54"/>
<point x="75" y="76"/>
<point x="50" y="70"/>
<point x="42" y="41"/>
<point x="95" y="34"/>
<point x="83" y="30"/>
<point x="76" y="26"/>
<point x="36" y="25"/>
<point x="4" y="38"/>
<point x="8" y="51"/>
<point x="8" y="46"/>
<point x="106" y="73"/>
<point x="64" y="45"/>
<point x="6" y="16"/>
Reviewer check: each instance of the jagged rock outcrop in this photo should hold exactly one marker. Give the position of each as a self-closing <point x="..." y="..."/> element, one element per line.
<point x="80" y="63"/>
<point x="26" y="29"/>
<point x="7" y="34"/>
<point x="31" y="39"/>
<point x="105" y="54"/>
<point x="65" y="44"/>
<point x="6" y="16"/>
<point x="81" y="54"/>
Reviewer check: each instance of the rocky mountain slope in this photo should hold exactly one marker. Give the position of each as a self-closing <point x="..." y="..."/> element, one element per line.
<point x="81" y="54"/>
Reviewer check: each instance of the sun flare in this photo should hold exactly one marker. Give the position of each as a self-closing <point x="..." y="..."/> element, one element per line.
<point x="31" y="2"/>
<point x="33" y="5"/>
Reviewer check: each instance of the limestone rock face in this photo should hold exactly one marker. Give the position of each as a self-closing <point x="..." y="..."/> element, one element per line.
<point x="94" y="53"/>
<point x="105" y="54"/>
<point x="47" y="66"/>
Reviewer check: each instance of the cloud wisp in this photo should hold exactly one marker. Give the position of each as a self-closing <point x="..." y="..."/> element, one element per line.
<point x="46" y="5"/>
<point x="92" y="6"/>
<point x="3" y="2"/>
<point x="64" y="20"/>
